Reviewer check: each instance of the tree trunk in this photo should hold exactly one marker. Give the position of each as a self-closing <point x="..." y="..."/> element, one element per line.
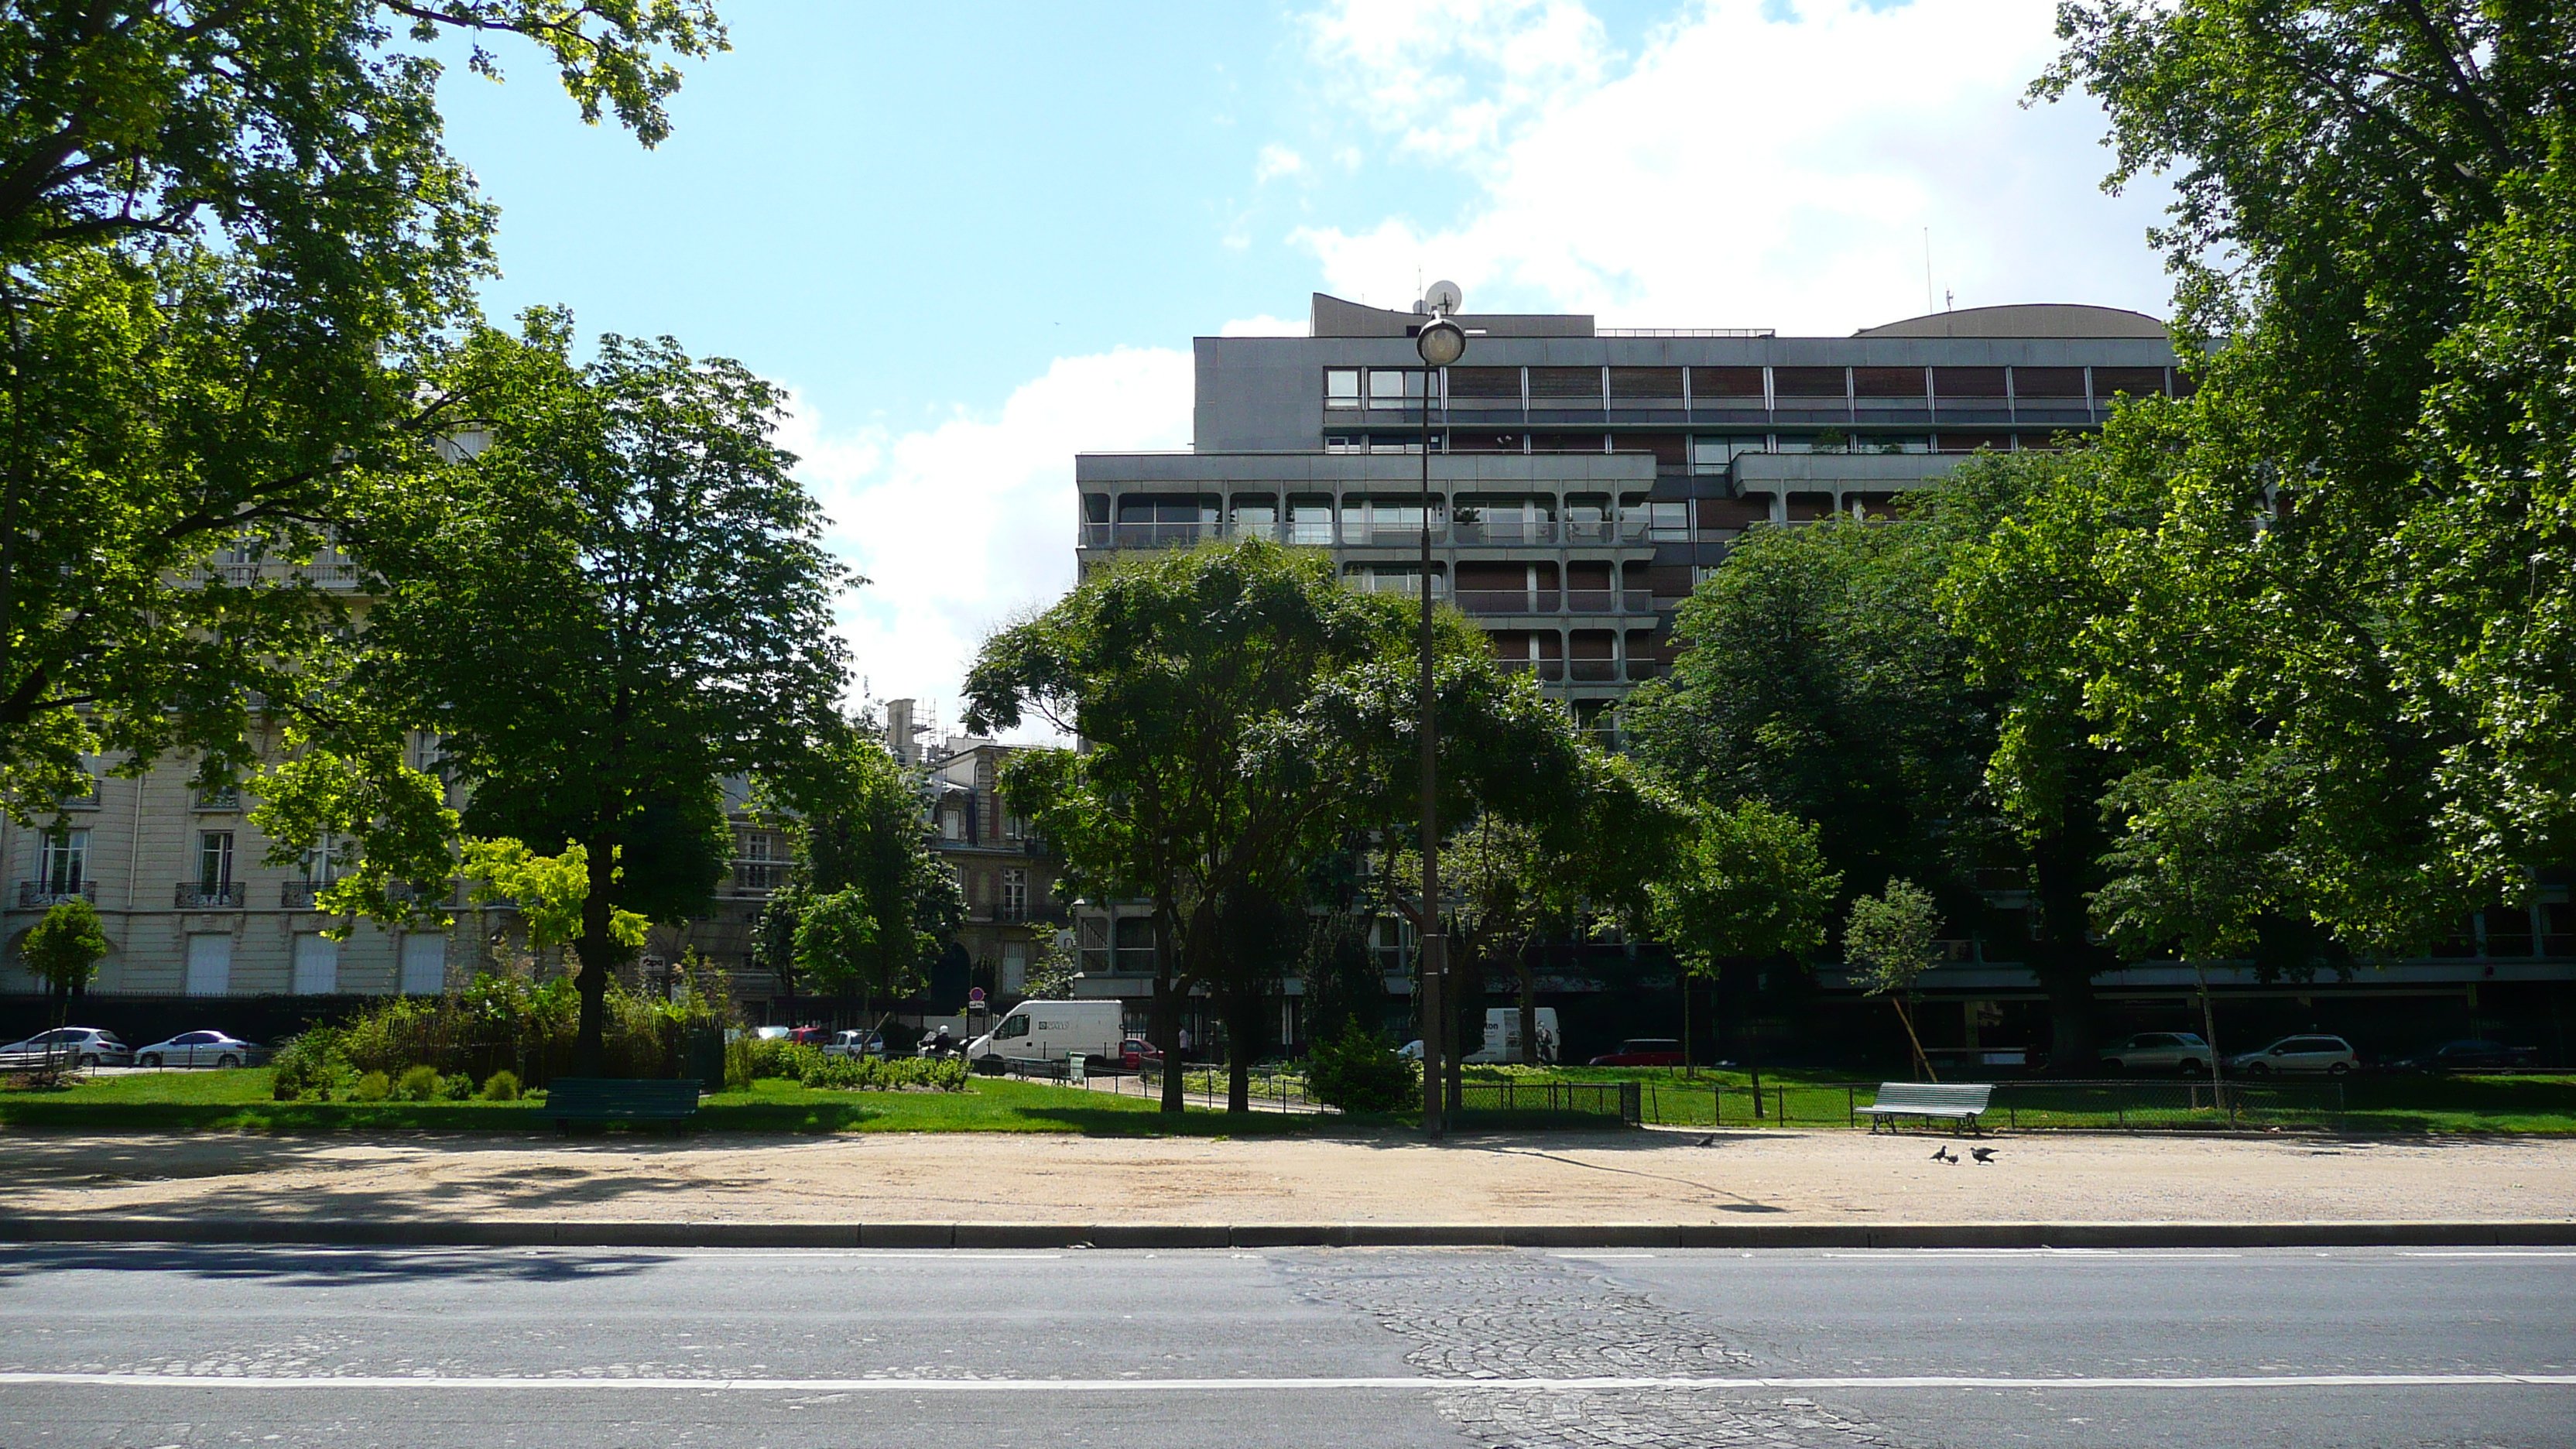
<point x="1167" y="1011"/>
<point x="1529" y="1005"/>
<point x="2064" y="958"/>
<point x="1242" y="1039"/>
<point x="597" y="951"/>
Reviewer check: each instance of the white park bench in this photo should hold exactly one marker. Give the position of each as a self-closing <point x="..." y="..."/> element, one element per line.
<point x="1960" y="1105"/>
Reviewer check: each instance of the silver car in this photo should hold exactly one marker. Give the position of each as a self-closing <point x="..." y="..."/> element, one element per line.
<point x="2159" y="1051"/>
<point x="2312" y="1053"/>
<point x="201" y="1049"/>
<point x="87" y="1045"/>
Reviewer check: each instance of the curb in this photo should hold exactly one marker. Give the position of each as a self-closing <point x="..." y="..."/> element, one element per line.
<point x="508" y="1233"/>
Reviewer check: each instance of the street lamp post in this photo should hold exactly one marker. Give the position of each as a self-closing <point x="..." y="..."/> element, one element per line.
<point x="1440" y="342"/>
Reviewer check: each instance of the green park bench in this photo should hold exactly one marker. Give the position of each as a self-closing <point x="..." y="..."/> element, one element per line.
<point x="620" y="1099"/>
<point x="1960" y="1104"/>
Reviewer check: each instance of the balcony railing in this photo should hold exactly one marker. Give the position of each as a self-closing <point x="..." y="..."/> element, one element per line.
<point x="1547" y="671"/>
<point x="1593" y="671"/>
<point x="756" y="877"/>
<point x="37" y="895"/>
<point x="192" y="895"/>
<point x="223" y="798"/>
<point x="1506" y="531"/>
<point x="1551" y="601"/>
<point x="1359" y="533"/>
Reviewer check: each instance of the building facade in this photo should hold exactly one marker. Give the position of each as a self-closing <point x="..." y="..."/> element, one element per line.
<point x="1583" y="479"/>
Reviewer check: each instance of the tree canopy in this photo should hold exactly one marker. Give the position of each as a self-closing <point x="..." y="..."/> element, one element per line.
<point x="619" y="600"/>
<point x="234" y="258"/>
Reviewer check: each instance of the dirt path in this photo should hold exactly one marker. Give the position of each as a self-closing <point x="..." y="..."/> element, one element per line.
<point x="1563" y="1178"/>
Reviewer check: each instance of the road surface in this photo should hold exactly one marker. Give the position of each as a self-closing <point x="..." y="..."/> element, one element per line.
<point x="560" y="1349"/>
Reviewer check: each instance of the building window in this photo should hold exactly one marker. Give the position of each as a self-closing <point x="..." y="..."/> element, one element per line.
<point x="1135" y="945"/>
<point x="1344" y="443"/>
<point x="214" y="861"/>
<point x="1015" y="895"/>
<point x="85" y="798"/>
<point x="952" y="824"/>
<point x="1669" y="522"/>
<point x="1341" y="387"/>
<point x="1711" y="455"/>
<point x="1093" y="954"/>
<point x="66" y="862"/>
<point x="1014" y="827"/>
<point x="322" y="864"/>
<point x="1015" y="966"/>
<point x="1394" y="387"/>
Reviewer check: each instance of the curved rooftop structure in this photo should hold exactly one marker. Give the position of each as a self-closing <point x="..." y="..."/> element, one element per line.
<point x="2025" y="319"/>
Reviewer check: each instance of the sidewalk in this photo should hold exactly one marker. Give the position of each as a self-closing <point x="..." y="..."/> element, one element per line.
<point x="1560" y="1180"/>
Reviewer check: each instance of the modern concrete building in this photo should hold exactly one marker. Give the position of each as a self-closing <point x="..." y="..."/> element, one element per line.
<point x="1585" y="478"/>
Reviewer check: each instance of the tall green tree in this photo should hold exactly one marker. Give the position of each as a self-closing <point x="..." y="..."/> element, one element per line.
<point x="1750" y="883"/>
<point x="233" y="257"/>
<point x="2346" y="647"/>
<point x="866" y="834"/>
<point x="1821" y="679"/>
<point x="622" y="600"/>
<point x="64" y="949"/>
<point x="1243" y="715"/>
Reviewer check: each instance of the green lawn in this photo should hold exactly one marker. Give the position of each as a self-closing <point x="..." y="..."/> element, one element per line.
<point x="239" y="1100"/>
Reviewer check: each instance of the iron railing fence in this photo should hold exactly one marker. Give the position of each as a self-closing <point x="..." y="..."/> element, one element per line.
<point x="2029" y="1104"/>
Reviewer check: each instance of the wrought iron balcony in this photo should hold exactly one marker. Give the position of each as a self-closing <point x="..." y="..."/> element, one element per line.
<point x="37" y="895"/>
<point x="194" y="895"/>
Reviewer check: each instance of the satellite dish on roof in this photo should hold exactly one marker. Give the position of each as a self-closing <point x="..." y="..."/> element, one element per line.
<point x="1444" y="297"/>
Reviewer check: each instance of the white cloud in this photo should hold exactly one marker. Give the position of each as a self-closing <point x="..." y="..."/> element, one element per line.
<point x="1739" y="170"/>
<point x="961" y="526"/>
<point x="1276" y="161"/>
<point x="1264" y="326"/>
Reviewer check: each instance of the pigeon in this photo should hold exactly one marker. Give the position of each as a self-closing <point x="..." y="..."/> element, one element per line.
<point x="1943" y="1154"/>
<point x="1982" y="1154"/>
<point x="1709" y="1141"/>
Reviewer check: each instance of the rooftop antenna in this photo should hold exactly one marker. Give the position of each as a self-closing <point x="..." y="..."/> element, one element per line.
<point x="1445" y="298"/>
<point x="1949" y="300"/>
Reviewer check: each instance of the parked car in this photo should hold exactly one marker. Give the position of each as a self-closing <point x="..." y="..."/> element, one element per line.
<point x="1643" y="1051"/>
<point x="2297" y="1054"/>
<point x="2159" y="1051"/>
<point x="87" y="1045"/>
<point x="811" y="1035"/>
<point x="1135" y="1052"/>
<point x="2468" y="1055"/>
<point x="769" y="1033"/>
<point x="854" y="1044"/>
<point x="201" y="1049"/>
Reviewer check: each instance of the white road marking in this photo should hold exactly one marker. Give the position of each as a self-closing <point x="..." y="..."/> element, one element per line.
<point x="2487" y="1254"/>
<point x="1268" y="1385"/>
<point x="2138" y="1255"/>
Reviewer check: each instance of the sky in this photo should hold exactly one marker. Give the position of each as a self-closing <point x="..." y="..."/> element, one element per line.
<point x="976" y="239"/>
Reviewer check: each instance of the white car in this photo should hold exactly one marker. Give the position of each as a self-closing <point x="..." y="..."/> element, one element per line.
<point x="87" y="1045"/>
<point x="2312" y="1053"/>
<point x="201" y="1049"/>
<point x="2159" y="1051"/>
<point x="854" y="1044"/>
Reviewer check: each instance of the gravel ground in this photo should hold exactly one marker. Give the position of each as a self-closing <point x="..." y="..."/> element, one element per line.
<point x="1652" y="1176"/>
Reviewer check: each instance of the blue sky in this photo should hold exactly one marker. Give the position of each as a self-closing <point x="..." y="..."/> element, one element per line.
<point x="974" y="239"/>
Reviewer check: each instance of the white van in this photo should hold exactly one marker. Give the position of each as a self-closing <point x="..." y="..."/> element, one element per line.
<point x="1503" y="1036"/>
<point x="1052" y="1031"/>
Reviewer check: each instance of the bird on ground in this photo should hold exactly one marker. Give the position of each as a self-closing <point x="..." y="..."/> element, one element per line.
<point x="1982" y="1154"/>
<point x="1944" y="1154"/>
<point x="1709" y="1141"/>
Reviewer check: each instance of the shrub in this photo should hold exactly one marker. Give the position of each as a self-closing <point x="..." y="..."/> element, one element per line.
<point x="501" y="1087"/>
<point x="373" y="1087"/>
<point x="417" y="1084"/>
<point x="884" y="1074"/>
<point x="1358" y="1072"/>
<point x="455" y="1087"/>
<point x="309" y="1066"/>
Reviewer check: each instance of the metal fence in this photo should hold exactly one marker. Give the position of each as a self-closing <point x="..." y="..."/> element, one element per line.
<point x="1619" y="1101"/>
<point x="2029" y="1104"/>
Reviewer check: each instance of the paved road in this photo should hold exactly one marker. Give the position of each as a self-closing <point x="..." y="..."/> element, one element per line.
<point x="149" y="1346"/>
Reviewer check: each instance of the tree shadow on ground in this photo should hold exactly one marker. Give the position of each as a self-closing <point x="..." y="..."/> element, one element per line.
<point x="300" y="1266"/>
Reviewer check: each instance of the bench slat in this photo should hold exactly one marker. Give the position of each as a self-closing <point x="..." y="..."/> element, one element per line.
<point x="601" y="1099"/>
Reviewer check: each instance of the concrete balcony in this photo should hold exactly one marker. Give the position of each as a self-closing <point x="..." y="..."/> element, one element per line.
<point x="1487" y="602"/>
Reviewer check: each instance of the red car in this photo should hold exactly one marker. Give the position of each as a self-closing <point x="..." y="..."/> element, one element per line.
<point x="1135" y="1052"/>
<point x="1643" y="1051"/>
<point x="811" y="1035"/>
